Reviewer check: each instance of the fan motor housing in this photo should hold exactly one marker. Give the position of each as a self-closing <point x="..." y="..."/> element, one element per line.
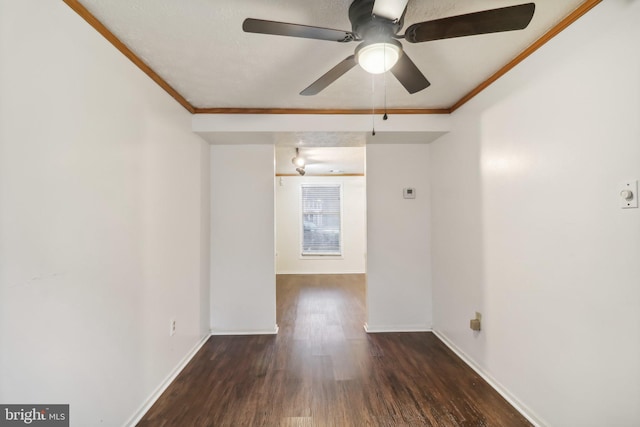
<point x="368" y="26"/>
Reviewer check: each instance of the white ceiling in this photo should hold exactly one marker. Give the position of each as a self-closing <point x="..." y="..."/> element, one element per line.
<point x="199" y="48"/>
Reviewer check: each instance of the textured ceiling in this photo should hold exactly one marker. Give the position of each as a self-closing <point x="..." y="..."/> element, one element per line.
<point x="198" y="47"/>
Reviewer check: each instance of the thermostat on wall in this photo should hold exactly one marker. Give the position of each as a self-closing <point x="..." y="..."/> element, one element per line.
<point x="409" y="193"/>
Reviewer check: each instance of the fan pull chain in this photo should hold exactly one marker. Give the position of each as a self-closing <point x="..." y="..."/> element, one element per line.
<point x="385" y="117"/>
<point x="373" y="106"/>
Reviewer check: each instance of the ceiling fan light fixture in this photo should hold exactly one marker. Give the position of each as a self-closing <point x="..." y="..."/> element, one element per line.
<point x="297" y="160"/>
<point x="378" y="57"/>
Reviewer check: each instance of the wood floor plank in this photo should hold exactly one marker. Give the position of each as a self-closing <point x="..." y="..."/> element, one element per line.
<point x="322" y="369"/>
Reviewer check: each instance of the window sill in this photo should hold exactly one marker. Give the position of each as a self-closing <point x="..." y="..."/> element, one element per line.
<point x="321" y="256"/>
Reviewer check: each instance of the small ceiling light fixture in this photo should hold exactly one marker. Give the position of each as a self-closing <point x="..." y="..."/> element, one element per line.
<point x="297" y="160"/>
<point x="378" y="57"/>
<point x="300" y="171"/>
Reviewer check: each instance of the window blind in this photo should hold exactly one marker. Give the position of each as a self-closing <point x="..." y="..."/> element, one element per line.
<point x="321" y="220"/>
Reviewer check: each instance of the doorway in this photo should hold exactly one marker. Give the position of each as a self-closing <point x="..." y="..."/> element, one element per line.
<point x="320" y="224"/>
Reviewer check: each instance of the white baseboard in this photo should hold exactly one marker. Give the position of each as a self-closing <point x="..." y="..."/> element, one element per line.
<point x="395" y="328"/>
<point x="520" y="407"/>
<point x="273" y="331"/>
<point x="137" y="416"/>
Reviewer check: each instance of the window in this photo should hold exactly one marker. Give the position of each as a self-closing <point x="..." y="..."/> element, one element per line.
<point x="321" y="219"/>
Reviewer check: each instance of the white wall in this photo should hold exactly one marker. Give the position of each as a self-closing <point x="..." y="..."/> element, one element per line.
<point x="205" y="238"/>
<point x="243" y="289"/>
<point x="288" y="227"/>
<point x="528" y="230"/>
<point x="101" y="224"/>
<point x="398" y="234"/>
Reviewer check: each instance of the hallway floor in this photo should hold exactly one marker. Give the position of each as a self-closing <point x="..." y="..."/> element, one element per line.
<point x="322" y="369"/>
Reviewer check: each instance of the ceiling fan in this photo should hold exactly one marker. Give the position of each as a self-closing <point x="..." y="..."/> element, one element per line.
<point x="376" y="23"/>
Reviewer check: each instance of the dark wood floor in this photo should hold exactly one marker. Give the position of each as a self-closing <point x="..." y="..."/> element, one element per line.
<point x="322" y="369"/>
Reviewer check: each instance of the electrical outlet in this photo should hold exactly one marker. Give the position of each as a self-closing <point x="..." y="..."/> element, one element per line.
<point x="172" y="327"/>
<point x="474" y="324"/>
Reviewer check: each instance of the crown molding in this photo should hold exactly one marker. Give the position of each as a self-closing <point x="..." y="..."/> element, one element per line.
<point x="115" y="41"/>
<point x="557" y="29"/>
<point x="321" y="111"/>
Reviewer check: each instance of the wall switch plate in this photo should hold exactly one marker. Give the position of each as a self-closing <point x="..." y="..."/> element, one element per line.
<point x="409" y="193"/>
<point x="628" y="194"/>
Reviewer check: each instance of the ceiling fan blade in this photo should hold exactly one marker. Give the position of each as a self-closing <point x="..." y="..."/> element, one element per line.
<point x="330" y="76"/>
<point x="488" y="21"/>
<point x="409" y="75"/>
<point x="389" y="9"/>
<point x="260" y="26"/>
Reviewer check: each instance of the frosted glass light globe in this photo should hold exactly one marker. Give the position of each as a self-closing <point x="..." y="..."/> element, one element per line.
<point x="376" y="58"/>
